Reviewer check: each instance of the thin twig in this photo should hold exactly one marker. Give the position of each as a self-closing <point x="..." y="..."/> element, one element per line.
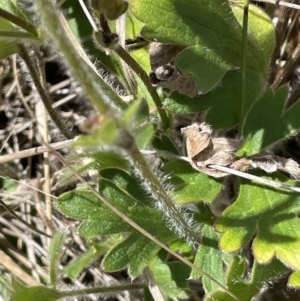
<point x="232" y="171"/>
<point x="11" y="266"/>
<point x="43" y="128"/>
<point x="34" y="151"/>
<point x="152" y="285"/>
<point x="281" y="3"/>
<point x="19" y="90"/>
<point x="256" y="179"/>
<point x="27" y="185"/>
<point x="88" y="15"/>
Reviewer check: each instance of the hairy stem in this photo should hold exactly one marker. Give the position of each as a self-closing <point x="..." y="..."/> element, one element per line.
<point x="107" y="289"/>
<point x="157" y="191"/>
<point x="44" y="95"/>
<point x="98" y="92"/>
<point x="140" y="72"/>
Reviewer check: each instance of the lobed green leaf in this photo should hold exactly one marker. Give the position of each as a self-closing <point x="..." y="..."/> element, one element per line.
<point x="191" y="185"/>
<point x="268" y="215"/>
<point x="135" y="251"/>
<point x="260" y="122"/>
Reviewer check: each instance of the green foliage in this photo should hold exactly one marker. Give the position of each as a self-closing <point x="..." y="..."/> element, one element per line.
<point x="83" y="31"/>
<point x="38" y="293"/>
<point x="170" y="278"/>
<point x="74" y="268"/>
<point x="209" y="258"/>
<point x="269" y="213"/>
<point x="264" y="218"/>
<point x="13" y="28"/>
<point x="205" y="52"/>
<point x="190" y="185"/>
<point x="245" y="290"/>
<point x="55" y="255"/>
<point x="135" y="250"/>
<point x="260" y="123"/>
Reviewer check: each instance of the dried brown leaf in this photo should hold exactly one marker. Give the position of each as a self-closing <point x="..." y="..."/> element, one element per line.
<point x="203" y="149"/>
<point x="165" y="75"/>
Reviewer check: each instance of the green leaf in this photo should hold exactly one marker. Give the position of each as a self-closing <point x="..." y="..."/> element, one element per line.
<point x="209" y="28"/>
<point x="223" y="102"/>
<point x="93" y="159"/>
<point x="182" y="104"/>
<point x="144" y="134"/>
<point x="165" y="144"/>
<point x="75" y="267"/>
<point x="261" y="36"/>
<point x="105" y="133"/>
<point x="130" y="113"/>
<point x="190" y="185"/>
<point x="137" y="113"/>
<point x="142" y="57"/>
<point x="182" y="248"/>
<point x="209" y="259"/>
<point x="135" y="251"/>
<point x="55" y="254"/>
<point x="268" y="214"/>
<point x="13" y="28"/>
<point x="9" y="47"/>
<point x="261" y="122"/>
<point x="133" y="26"/>
<point x="103" y="159"/>
<point x="212" y="34"/>
<point x="225" y="110"/>
<point x="82" y="29"/>
<point x="294" y="280"/>
<point x="245" y="290"/>
<point x="37" y="293"/>
<point x="171" y="278"/>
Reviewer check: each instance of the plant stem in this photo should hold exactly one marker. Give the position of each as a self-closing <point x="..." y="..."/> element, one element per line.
<point x="44" y="95"/>
<point x="244" y="61"/>
<point x="98" y="92"/>
<point x="18" y="21"/>
<point x="157" y="191"/>
<point x="98" y="290"/>
<point x="140" y="72"/>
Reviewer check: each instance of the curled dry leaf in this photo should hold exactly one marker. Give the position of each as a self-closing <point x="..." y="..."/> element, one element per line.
<point x="268" y="163"/>
<point x="164" y="74"/>
<point x="203" y="149"/>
